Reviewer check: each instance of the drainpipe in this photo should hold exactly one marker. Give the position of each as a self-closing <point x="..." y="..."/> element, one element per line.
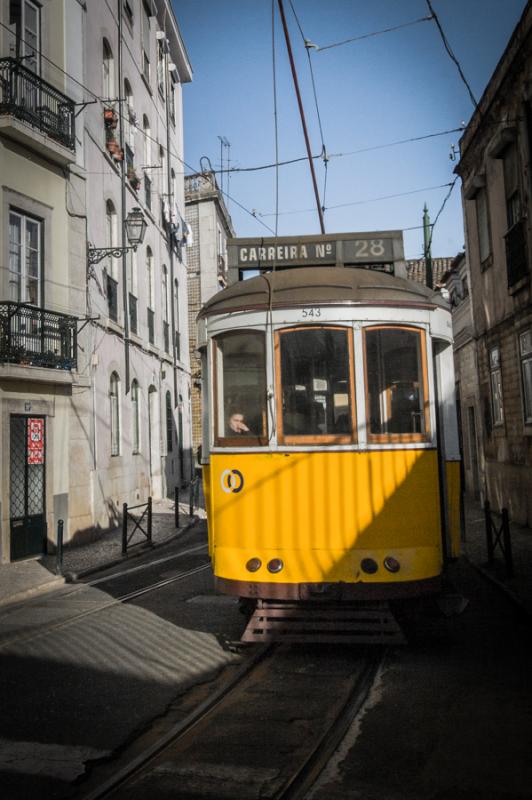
<point x="125" y="298"/>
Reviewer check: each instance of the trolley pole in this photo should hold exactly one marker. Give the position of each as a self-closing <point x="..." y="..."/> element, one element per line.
<point x="427" y="246"/>
<point x="302" y="114"/>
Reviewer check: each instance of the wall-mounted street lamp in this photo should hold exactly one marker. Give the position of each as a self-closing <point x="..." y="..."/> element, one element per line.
<point x="135" y="225"/>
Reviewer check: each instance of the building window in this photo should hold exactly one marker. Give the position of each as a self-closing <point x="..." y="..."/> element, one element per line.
<point x="511" y="185"/>
<point x="108" y="72"/>
<point x="171" y="97"/>
<point x="240" y="389"/>
<point x="111" y="231"/>
<point x="114" y="398"/>
<point x="135" y="416"/>
<point x="169" y="424"/>
<point x="164" y="299"/>
<point x="483" y="227"/>
<point x="525" y="354"/>
<point x="160" y="66"/>
<point x="316" y="396"/>
<point x="146" y="14"/>
<point x="25" y="259"/>
<point x="176" y="320"/>
<point x="129" y="118"/>
<point x="25" y="19"/>
<point x="150" y="278"/>
<point x="396" y="381"/>
<point x="128" y="12"/>
<point x="496" y="386"/>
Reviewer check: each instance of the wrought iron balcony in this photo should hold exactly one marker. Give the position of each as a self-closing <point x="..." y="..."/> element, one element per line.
<point x="37" y="337"/>
<point x="516" y="253"/>
<point x="27" y="97"/>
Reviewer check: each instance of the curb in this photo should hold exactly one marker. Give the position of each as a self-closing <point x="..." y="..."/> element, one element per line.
<point x="73" y="577"/>
<point x="26" y="594"/>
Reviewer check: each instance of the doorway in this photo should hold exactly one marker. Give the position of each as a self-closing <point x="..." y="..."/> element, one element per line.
<point x="27" y="508"/>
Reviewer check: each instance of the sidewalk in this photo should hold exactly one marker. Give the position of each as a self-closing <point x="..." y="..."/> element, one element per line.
<point x="474" y="548"/>
<point x="23" y="579"/>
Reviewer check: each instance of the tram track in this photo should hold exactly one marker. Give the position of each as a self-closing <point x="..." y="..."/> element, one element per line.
<point x="185" y="761"/>
<point x="96" y="609"/>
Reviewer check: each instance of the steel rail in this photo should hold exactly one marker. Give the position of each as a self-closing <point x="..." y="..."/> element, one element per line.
<point x="306" y="775"/>
<point x="178" y="731"/>
<point x="125" y="598"/>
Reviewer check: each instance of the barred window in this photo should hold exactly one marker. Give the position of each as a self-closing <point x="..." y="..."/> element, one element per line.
<point x="497" y="410"/>
<point x="525" y="353"/>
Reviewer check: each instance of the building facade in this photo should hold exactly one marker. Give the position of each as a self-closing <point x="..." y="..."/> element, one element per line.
<point x="495" y="168"/>
<point x="94" y="369"/>
<point x="210" y="226"/>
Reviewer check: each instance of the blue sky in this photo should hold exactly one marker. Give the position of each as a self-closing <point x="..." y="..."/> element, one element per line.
<point x="378" y="90"/>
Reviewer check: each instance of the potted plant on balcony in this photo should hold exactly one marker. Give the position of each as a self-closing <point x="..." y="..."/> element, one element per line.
<point x="133" y="178"/>
<point x="110" y="118"/>
<point x="111" y="142"/>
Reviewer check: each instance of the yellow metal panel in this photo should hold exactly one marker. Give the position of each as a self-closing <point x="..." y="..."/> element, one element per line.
<point x="321" y="505"/>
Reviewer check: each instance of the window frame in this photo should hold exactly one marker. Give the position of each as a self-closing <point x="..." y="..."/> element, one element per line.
<point x="525" y="358"/>
<point x="23" y="274"/>
<point x="237" y="440"/>
<point x="322" y="438"/>
<point x="496" y="370"/>
<point x="114" y="415"/>
<point x="135" y="417"/>
<point x="399" y="438"/>
<point x="484" y="258"/>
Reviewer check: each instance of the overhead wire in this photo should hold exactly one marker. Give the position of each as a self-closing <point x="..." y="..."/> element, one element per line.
<point x="319" y="48"/>
<point x="368" y="200"/>
<point x="451" y="54"/>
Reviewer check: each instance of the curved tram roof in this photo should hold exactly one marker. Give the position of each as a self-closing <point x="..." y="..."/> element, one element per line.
<point x="306" y="286"/>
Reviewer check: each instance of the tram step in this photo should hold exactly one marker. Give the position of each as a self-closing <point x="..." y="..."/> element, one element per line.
<point x="273" y="621"/>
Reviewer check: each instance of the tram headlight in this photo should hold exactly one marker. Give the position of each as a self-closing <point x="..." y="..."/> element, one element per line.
<point x="275" y="565"/>
<point x="369" y="565"/>
<point x="253" y="564"/>
<point x="392" y="564"/>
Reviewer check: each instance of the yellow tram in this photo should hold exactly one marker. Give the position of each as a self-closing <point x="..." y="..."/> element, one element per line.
<point x="330" y="452"/>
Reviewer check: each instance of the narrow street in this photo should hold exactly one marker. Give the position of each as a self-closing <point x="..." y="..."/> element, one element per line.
<point x="90" y="683"/>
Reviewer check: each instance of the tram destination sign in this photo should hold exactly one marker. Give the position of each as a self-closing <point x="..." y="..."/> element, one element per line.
<point x="342" y="249"/>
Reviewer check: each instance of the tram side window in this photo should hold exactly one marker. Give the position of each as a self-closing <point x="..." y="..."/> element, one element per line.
<point x="316" y="388"/>
<point x="240" y="364"/>
<point x="396" y="383"/>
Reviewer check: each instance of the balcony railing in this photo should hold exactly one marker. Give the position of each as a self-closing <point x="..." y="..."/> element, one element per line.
<point x="133" y="313"/>
<point x="27" y="97"/>
<point x="112" y="298"/>
<point x="516" y="253"/>
<point x="151" y="326"/>
<point x="166" y="337"/>
<point x="37" y="337"/>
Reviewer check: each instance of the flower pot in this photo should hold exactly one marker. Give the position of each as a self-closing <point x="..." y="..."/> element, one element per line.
<point x="118" y="155"/>
<point x="110" y="118"/>
<point x="113" y="146"/>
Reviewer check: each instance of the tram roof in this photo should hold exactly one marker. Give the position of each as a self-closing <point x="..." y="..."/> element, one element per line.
<point x="320" y="286"/>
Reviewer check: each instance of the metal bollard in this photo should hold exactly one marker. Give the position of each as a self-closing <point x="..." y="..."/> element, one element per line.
<point x="176" y="506"/>
<point x="149" y="519"/>
<point x="507" y="541"/>
<point x="124" y="529"/>
<point x="489" y="531"/>
<point x="191" y="499"/>
<point x="59" y="549"/>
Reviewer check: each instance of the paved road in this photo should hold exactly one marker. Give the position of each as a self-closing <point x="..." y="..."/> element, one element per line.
<point x="76" y="693"/>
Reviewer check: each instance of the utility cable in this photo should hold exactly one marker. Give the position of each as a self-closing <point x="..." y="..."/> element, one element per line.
<point x="451" y="54"/>
<point x="366" y="35"/>
<point x="368" y="200"/>
<point x="275" y="122"/>
<point x="451" y="187"/>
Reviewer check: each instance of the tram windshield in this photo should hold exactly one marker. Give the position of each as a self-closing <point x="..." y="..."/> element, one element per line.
<point x="240" y="387"/>
<point x="316" y="388"/>
<point x="396" y="382"/>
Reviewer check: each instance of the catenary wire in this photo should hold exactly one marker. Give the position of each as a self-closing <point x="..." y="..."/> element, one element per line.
<point x="451" y="54"/>
<point x="319" y="49"/>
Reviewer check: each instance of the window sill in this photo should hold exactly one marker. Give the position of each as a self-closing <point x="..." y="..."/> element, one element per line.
<point x="522" y="283"/>
<point x="146" y="83"/>
<point x="487" y="263"/>
<point x="116" y="327"/>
